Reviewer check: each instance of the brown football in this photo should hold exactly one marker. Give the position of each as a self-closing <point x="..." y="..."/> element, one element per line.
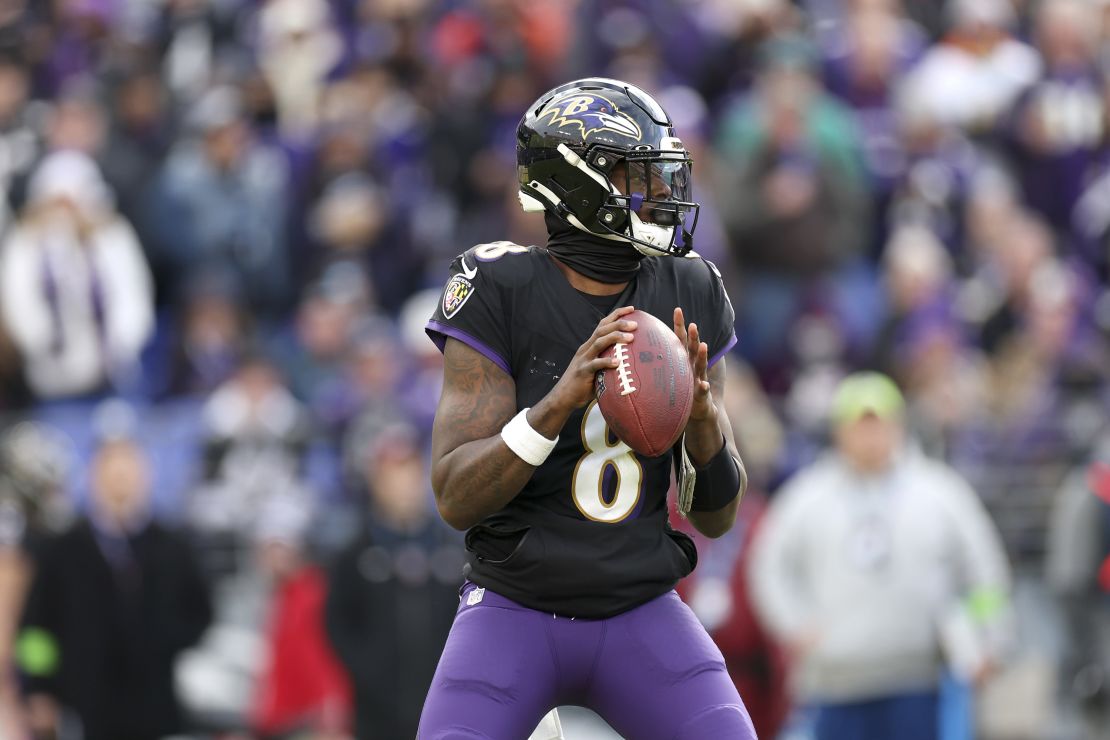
<point x="646" y="400"/>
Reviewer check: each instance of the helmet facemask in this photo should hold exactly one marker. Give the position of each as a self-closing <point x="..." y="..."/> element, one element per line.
<point x="652" y="207"/>
<point x="641" y="196"/>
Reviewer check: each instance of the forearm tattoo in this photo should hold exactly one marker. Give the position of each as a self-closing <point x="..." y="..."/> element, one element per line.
<point x="482" y="397"/>
<point x="478" y="399"/>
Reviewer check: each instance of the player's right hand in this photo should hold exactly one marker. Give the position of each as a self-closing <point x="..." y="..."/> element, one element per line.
<point x="575" y="388"/>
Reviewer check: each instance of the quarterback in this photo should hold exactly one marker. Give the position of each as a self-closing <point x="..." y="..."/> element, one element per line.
<point x="569" y="594"/>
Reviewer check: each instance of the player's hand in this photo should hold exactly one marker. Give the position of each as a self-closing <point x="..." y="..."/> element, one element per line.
<point x="575" y="388"/>
<point x="703" y="408"/>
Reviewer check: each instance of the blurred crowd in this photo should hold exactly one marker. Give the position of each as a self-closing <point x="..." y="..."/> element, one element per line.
<point x="223" y="224"/>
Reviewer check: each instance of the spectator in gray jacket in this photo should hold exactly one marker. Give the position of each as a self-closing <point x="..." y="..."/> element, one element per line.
<point x="876" y="566"/>
<point x="1078" y="572"/>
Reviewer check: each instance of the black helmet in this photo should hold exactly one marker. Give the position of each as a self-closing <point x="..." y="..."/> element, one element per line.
<point x="570" y="141"/>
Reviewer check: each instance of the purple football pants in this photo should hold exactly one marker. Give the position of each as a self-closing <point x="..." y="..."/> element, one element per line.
<point x="652" y="673"/>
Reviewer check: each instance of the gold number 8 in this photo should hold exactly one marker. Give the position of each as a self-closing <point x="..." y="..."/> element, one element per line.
<point x="589" y="473"/>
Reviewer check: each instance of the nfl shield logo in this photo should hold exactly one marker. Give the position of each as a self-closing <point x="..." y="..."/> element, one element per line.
<point x="458" y="291"/>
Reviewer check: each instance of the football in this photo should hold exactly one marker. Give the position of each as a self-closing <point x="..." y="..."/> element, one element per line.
<point x="646" y="399"/>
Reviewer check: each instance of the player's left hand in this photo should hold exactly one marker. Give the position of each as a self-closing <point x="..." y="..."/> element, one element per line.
<point x="703" y="408"/>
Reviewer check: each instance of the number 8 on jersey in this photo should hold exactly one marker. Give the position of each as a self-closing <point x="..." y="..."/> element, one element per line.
<point x="589" y="474"/>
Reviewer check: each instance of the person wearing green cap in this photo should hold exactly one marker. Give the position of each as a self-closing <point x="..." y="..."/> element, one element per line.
<point x="881" y="570"/>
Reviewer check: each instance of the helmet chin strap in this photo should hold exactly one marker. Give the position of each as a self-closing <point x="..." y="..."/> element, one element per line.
<point x="659" y="237"/>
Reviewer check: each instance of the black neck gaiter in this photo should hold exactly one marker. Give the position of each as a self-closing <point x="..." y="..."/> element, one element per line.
<point x="600" y="259"/>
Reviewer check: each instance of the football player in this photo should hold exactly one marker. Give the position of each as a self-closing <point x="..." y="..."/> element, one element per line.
<point x="35" y="461"/>
<point x="569" y="595"/>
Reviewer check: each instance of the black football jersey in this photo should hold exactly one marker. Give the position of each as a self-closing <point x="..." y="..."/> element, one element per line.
<point x="588" y="536"/>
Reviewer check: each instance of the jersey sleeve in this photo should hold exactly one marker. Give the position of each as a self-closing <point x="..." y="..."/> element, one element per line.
<point x="470" y="310"/>
<point x="716" y="319"/>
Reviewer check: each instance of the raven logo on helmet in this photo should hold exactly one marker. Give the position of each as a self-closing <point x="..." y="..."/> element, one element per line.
<point x="591" y="113"/>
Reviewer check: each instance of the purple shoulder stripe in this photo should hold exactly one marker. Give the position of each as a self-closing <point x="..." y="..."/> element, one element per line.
<point x="438" y="332"/>
<point x="721" y="352"/>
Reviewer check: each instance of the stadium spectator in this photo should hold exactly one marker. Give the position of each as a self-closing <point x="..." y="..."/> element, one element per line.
<point x="864" y="58"/>
<point x="871" y="564"/>
<point x="1007" y="278"/>
<point x="1043" y="367"/>
<point x="210" y="343"/>
<point x="79" y="40"/>
<point x="945" y="379"/>
<point x="219" y="204"/>
<point x="872" y="46"/>
<point x="933" y="168"/>
<point x="991" y="208"/>
<point x="297" y="48"/>
<point x="254" y="444"/>
<point x="77" y="121"/>
<point x="726" y="35"/>
<point x="381" y="390"/>
<point x="393" y="591"/>
<point x="113" y="601"/>
<point x="917" y="279"/>
<point x="1090" y="216"/>
<point x="197" y="38"/>
<point x="14" y="19"/>
<point x="796" y="207"/>
<point x="1078" y="572"/>
<point x="75" y="290"/>
<point x="352" y="229"/>
<point x="529" y="33"/>
<point x="315" y="352"/>
<point x="922" y="343"/>
<point x="138" y="139"/>
<point x="363" y="381"/>
<point x="302" y="688"/>
<point x="972" y="76"/>
<point x="1058" y="123"/>
<point x="763" y="436"/>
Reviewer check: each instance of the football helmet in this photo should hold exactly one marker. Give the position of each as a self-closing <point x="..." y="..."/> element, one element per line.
<point x="35" y="462"/>
<point x="597" y="153"/>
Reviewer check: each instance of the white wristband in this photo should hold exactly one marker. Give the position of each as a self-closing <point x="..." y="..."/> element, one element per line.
<point x="528" y="444"/>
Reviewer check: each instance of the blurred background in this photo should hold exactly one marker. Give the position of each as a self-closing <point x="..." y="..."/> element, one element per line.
<point x="223" y="224"/>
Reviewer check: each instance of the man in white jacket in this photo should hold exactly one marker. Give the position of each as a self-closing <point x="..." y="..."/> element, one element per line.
<point x="878" y="567"/>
